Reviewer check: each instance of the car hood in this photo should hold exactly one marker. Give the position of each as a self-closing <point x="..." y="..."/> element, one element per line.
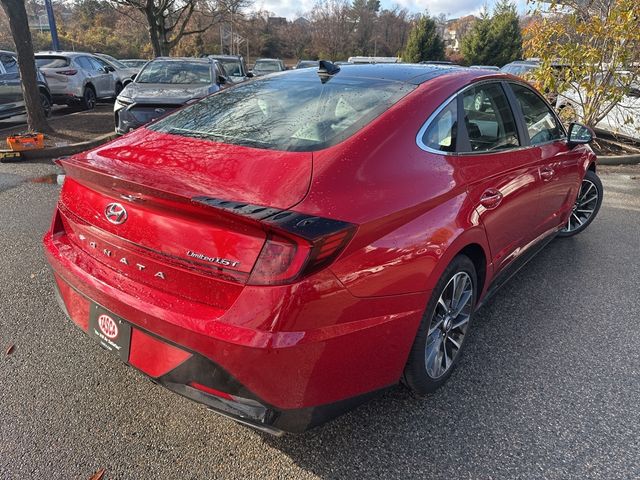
<point x="163" y="93"/>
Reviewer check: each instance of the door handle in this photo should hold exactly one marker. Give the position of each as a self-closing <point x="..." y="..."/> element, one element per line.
<point x="546" y="173"/>
<point x="491" y="198"/>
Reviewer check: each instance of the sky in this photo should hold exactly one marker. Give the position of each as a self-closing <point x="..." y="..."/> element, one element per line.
<point x="452" y="8"/>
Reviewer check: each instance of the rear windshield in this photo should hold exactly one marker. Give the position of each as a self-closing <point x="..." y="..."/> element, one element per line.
<point x="175" y="72"/>
<point x="281" y="113"/>
<point x="51" y="62"/>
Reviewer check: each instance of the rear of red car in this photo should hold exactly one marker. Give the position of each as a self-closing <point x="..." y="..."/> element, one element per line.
<point x="187" y="258"/>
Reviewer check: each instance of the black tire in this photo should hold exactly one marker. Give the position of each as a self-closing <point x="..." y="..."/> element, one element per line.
<point x="578" y="219"/>
<point x="88" y="99"/>
<point x="416" y="373"/>
<point x="45" y="102"/>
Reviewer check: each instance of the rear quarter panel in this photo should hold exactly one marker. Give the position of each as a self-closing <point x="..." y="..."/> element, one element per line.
<point x="410" y="206"/>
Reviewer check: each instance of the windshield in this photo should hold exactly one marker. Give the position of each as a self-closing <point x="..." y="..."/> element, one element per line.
<point x="267" y="66"/>
<point x="175" y="72"/>
<point x="115" y="62"/>
<point x="307" y="64"/>
<point x="517" y="69"/>
<point x="134" y="63"/>
<point x="232" y="67"/>
<point x="286" y="113"/>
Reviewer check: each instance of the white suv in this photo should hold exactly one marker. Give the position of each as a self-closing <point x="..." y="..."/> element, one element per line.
<point x="76" y="78"/>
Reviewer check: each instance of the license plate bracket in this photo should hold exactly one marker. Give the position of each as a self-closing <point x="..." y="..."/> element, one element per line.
<point x="110" y="331"/>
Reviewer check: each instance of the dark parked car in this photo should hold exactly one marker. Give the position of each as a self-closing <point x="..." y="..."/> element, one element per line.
<point x="307" y="64"/>
<point x="234" y="66"/>
<point x="11" y="97"/>
<point x="287" y="248"/>
<point x="265" y="66"/>
<point x="163" y="85"/>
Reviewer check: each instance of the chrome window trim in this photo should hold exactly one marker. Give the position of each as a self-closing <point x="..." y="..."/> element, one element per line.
<point x="445" y="104"/>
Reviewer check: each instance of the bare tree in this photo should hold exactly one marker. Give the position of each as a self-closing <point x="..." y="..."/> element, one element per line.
<point x="19" y="26"/>
<point x="170" y="20"/>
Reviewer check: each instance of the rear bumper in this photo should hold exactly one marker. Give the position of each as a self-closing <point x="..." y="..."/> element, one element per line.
<point x="273" y="380"/>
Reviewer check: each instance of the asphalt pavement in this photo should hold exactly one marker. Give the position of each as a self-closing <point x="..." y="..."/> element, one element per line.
<point x="548" y="388"/>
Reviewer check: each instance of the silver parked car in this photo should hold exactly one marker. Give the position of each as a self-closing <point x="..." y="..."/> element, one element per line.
<point x="234" y="66"/>
<point x="265" y="66"/>
<point x="123" y="74"/>
<point x="11" y="96"/>
<point x="165" y="84"/>
<point x="77" y="78"/>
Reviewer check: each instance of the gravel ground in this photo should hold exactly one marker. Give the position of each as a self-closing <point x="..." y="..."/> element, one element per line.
<point x="548" y="388"/>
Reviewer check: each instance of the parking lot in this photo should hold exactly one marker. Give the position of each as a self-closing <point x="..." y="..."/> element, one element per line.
<point x="549" y="386"/>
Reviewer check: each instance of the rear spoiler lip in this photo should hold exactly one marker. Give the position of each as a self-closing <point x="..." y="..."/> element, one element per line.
<point x="302" y="225"/>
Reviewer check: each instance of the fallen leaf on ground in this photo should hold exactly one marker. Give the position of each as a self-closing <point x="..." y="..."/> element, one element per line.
<point x="10" y="349"/>
<point x="98" y="475"/>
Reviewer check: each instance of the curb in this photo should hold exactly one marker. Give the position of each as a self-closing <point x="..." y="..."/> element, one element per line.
<point x="53" y="152"/>
<point x="633" y="159"/>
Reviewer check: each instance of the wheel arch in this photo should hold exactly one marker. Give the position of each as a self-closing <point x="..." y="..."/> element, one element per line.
<point x="473" y="244"/>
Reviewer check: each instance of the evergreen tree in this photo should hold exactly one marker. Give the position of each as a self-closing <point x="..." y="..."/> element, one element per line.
<point x="424" y="42"/>
<point x="495" y="40"/>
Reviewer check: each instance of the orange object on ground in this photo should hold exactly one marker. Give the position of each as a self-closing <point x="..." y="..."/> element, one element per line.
<point x="29" y="141"/>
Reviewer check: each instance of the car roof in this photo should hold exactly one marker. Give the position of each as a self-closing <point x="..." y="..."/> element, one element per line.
<point x="7" y="52"/>
<point x="270" y="59"/>
<point x="225" y="57"/>
<point x="412" y="73"/>
<point x="63" y="54"/>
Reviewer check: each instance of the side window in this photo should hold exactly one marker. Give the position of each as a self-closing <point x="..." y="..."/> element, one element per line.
<point x="442" y="132"/>
<point x="488" y="118"/>
<point x="9" y="63"/>
<point x="96" y="64"/>
<point x="83" y="62"/>
<point x="541" y="123"/>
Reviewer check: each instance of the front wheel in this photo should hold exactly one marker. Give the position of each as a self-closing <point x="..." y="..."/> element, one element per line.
<point x="443" y="330"/>
<point x="586" y="206"/>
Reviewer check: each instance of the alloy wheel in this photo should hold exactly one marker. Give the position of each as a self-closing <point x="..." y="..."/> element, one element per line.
<point x="586" y="204"/>
<point x="449" y="324"/>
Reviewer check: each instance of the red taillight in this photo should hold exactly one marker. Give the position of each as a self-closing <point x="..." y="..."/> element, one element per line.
<point x="67" y="72"/>
<point x="297" y="244"/>
<point x="283" y="260"/>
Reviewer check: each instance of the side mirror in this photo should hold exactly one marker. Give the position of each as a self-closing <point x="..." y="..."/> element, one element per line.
<point x="221" y="80"/>
<point x="579" y="134"/>
<point x="250" y="74"/>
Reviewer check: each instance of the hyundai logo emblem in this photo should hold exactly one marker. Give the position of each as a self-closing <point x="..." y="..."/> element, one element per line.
<point x="115" y="213"/>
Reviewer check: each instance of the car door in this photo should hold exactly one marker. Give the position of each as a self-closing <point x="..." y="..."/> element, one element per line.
<point x="110" y="78"/>
<point x="558" y="165"/>
<point x="100" y="78"/>
<point x="501" y="173"/>
<point x="11" y="98"/>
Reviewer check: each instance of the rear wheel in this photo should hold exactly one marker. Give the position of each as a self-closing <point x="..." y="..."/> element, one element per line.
<point x="443" y="330"/>
<point x="89" y="99"/>
<point x="586" y="206"/>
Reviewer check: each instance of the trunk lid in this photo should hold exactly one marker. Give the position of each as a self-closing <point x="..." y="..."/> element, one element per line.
<point x="164" y="239"/>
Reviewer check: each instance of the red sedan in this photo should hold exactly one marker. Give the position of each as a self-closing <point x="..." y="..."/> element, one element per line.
<point x="285" y="249"/>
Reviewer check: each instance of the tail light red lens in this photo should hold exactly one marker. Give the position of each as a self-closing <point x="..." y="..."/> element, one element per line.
<point x="67" y="72"/>
<point x="283" y="260"/>
<point x="297" y="244"/>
